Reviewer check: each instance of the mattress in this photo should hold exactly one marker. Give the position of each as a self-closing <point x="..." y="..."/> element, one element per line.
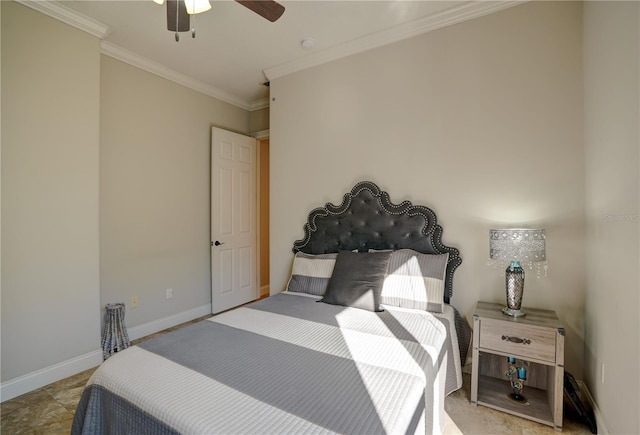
<point x="284" y="364"/>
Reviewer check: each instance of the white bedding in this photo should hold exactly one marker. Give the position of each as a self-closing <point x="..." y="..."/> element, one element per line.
<point x="285" y="364"/>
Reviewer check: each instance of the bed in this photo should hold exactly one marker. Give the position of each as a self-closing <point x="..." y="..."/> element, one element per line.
<point x="363" y="340"/>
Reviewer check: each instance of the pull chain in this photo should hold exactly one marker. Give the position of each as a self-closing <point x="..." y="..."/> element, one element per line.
<point x="177" y="19"/>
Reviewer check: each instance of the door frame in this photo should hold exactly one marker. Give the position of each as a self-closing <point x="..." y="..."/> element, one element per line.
<point x="262" y="151"/>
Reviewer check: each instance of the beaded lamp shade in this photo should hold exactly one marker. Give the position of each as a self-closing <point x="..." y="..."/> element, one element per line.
<point x="518" y="245"/>
<point x="523" y="245"/>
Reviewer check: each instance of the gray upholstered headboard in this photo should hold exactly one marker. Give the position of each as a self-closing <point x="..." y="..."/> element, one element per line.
<point x="367" y="219"/>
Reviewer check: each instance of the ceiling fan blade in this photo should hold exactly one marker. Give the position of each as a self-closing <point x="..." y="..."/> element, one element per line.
<point x="183" y="23"/>
<point x="268" y="9"/>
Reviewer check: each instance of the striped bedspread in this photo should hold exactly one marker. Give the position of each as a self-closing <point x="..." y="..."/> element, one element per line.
<point x="285" y="364"/>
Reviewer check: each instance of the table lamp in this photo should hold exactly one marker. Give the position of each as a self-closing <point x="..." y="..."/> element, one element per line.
<point x="516" y="245"/>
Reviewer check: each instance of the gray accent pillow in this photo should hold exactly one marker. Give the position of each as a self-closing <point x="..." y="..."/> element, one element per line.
<point x="310" y="273"/>
<point x="357" y="280"/>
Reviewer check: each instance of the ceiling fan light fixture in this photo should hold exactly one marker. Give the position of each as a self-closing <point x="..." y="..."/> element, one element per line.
<point x="197" y="6"/>
<point x="179" y="12"/>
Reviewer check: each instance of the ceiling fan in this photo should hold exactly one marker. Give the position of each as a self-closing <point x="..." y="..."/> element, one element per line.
<point x="179" y="12"/>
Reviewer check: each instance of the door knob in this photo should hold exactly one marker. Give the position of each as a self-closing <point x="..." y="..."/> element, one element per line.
<point x="217" y="243"/>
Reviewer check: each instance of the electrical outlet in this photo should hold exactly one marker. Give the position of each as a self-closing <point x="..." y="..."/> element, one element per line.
<point x="169" y="293"/>
<point x="134" y="302"/>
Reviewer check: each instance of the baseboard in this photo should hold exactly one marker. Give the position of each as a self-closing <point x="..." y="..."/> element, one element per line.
<point x="154" y="326"/>
<point x="38" y="379"/>
<point x="602" y="428"/>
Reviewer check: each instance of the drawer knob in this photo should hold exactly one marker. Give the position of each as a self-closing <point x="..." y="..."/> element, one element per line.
<point x="516" y="339"/>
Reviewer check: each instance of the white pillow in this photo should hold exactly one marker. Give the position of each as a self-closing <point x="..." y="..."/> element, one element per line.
<point x="310" y="273"/>
<point x="415" y="280"/>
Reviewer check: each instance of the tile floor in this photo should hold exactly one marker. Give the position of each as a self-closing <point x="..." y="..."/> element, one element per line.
<point x="50" y="409"/>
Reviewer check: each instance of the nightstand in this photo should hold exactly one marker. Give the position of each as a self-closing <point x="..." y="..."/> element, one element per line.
<point x="537" y="338"/>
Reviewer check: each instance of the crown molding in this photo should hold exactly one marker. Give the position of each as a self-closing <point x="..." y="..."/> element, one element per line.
<point x="68" y="16"/>
<point x="82" y="22"/>
<point x="160" y="70"/>
<point x="259" y="104"/>
<point x="454" y="15"/>
<point x="449" y="17"/>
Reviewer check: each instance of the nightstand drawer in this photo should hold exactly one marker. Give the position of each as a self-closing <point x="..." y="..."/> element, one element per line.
<point x="514" y="339"/>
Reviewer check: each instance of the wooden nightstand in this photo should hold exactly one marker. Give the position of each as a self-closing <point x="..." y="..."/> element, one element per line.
<point x="537" y="338"/>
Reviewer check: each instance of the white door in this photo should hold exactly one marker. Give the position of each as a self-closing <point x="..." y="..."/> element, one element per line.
<point x="233" y="220"/>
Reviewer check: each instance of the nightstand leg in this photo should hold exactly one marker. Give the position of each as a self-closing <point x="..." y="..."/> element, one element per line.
<point x="475" y="361"/>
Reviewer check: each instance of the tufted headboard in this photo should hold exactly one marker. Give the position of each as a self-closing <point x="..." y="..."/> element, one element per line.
<point x="367" y="219"/>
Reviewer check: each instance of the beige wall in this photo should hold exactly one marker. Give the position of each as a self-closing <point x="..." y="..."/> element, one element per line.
<point x="259" y="120"/>
<point x="481" y="121"/>
<point x="105" y="196"/>
<point x="612" y="99"/>
<point x="154" y="190"/>
<point x="50" y="146"/>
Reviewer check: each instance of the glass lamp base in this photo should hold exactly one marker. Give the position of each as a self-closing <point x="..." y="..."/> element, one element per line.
<point x="513" y="313"/>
